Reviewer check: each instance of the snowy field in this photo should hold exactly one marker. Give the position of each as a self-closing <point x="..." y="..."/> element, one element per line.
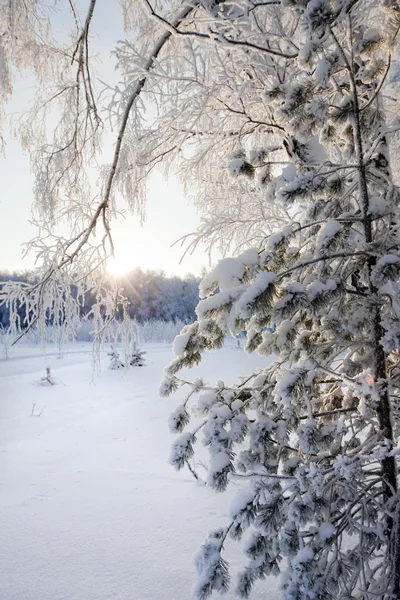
<point x="90" y="508"/>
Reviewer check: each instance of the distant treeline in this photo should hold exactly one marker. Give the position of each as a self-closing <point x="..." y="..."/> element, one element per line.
<point x="151" y="295"/>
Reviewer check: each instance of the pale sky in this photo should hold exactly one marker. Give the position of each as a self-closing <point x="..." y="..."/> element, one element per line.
<point x="169" y="214"/>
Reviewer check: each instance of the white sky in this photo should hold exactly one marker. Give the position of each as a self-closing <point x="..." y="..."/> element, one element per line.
<point x="169" y="214"/>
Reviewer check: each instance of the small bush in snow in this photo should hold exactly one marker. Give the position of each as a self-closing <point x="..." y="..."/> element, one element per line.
<point x="137" y="359"/>
<point x="134" y="359"/>
<point x="115" y="361"/>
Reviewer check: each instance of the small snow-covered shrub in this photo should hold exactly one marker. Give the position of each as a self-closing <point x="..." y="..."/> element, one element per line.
<point x="137" y="358"/>
<point x="48" y="379"/>
<point x="115" y="361"/>
<point x="133" y="359"/>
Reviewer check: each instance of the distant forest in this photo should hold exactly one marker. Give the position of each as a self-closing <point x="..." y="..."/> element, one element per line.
<point x="151" y="295"/>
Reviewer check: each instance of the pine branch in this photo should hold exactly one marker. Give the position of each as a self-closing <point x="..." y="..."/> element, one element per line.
<point x="323" y="258"/>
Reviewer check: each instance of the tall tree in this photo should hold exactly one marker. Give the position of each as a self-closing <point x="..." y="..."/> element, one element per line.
<point x="313" y="435"/>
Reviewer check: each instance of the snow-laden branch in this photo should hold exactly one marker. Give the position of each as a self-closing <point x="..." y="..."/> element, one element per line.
<point x="217" y="37"/>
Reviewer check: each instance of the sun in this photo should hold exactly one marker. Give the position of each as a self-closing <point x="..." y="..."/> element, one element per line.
<point x="119" y="266"/>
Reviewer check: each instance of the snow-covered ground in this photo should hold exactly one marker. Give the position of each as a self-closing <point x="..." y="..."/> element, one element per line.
<point x="89" y="507"/>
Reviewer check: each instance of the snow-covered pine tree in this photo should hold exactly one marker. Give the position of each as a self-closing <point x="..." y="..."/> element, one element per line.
<point x="313" y="435"/>
<point x="137" y="357"/>
<point x="115" y="360"/>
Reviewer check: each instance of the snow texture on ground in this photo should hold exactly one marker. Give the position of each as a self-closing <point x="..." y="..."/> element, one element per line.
<point x="90" y="509"/>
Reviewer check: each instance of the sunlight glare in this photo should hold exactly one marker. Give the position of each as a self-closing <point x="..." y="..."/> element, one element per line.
<point x="119" y="266"/>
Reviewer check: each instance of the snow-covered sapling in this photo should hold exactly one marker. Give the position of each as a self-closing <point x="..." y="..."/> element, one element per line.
<point x="115" y="361"/>
<point x="48" y="379"/>
<point x="137" y="358"/>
